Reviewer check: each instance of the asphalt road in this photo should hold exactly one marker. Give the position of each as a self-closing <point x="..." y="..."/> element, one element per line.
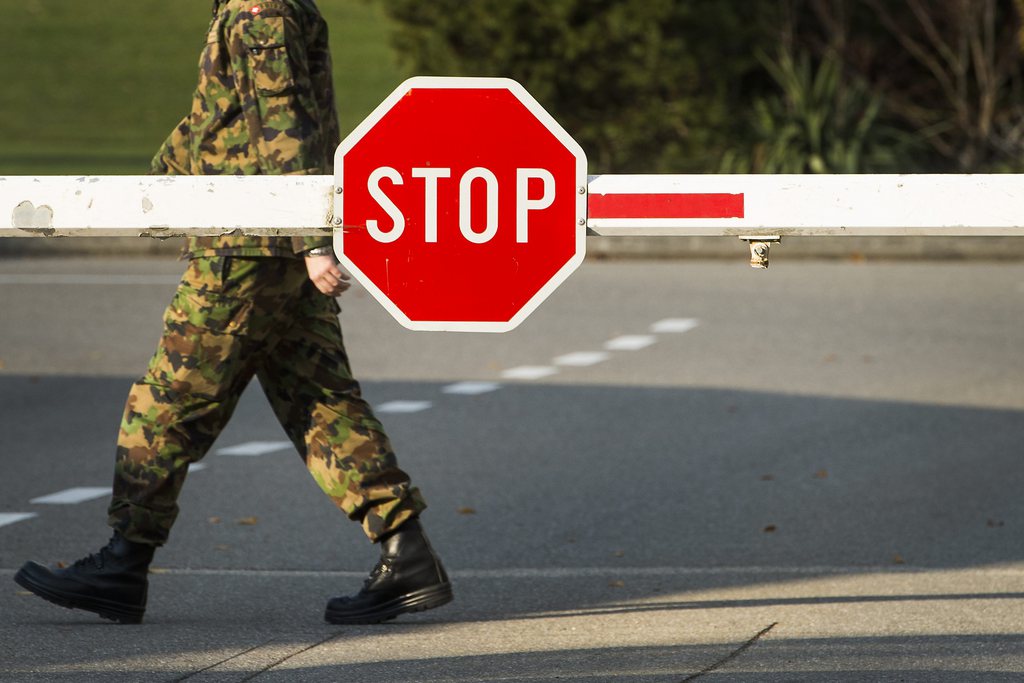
<point x="672" y="471"/>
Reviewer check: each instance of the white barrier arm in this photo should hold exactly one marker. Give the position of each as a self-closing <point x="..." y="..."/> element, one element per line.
<point x="738" y="205"/>
<point x="164" y="206"/>
<point x="777" y="205"/>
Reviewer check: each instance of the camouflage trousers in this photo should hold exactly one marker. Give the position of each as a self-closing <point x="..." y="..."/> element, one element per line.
<point x="233" y="318"/>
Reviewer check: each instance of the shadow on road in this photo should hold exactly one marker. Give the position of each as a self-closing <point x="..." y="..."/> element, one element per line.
<point x="617" y="502"/>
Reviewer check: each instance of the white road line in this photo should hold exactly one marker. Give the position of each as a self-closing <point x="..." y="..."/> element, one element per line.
<point x="529" y="372"/>
<point x="675" y="325"/>
<point x="73" y="496"/>
<point x="629" y="572"/>
<point x="630" y="342"/>
<point x="85" y="279"/>
<point x="575" y="573"/>
<point x="255" y="448"/>
<point x="14" y="517"/>
<point x="471" y="388"/>
<point x="582" y="359"/>
<point x="403" y="407"/>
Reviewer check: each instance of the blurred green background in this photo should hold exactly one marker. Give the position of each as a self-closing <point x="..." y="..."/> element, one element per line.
<point x="94" y="88"/>
<point x="645" y="86"/>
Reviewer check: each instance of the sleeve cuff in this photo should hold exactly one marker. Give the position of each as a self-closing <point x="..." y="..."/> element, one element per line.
<point x="300" y="245"/>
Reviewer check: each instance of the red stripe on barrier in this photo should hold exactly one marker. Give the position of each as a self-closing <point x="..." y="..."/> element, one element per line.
<point x="665" y="206"/>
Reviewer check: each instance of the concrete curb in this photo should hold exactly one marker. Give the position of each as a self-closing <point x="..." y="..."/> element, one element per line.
<point x="857" y="248"/>
<point x="16" y="247"/>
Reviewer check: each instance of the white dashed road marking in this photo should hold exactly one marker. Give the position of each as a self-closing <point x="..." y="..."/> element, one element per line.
<point x="14" y="517"/>
<point x="630" y="342"/>
<point x="254" y="448"/>
<point x="529" y="372"/>
<point x="582" y="359"/>
<point x="471" y="388"/>
<point x="403" y="406"/>
<point x="675" y="325"/>
<point x="73" y="496"/>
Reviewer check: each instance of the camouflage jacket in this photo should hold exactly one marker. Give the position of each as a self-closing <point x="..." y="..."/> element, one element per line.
<point x="264" y="105"/>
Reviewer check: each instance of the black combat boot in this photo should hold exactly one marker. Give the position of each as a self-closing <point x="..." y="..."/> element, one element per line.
<point x="112" y="583"/>
<point x="408" y="578"/>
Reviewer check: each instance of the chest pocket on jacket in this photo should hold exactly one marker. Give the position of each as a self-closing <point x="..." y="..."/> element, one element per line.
<point x="268" y="55"/>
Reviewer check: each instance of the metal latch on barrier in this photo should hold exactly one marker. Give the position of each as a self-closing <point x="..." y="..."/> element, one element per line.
<point x="760" y="248"/>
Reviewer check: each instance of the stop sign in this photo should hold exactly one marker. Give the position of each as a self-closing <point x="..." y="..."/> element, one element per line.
<point x="462" y="203"/>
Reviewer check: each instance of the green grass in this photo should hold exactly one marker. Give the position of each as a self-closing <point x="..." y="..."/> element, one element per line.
<point x="94" y="87"/>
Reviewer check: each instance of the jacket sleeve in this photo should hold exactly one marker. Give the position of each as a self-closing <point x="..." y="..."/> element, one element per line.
<point x="270" y="59"/>
<point x="173" y="157"/>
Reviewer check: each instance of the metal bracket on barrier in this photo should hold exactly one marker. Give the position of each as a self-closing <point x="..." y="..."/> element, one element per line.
<point x="760" y="247"/>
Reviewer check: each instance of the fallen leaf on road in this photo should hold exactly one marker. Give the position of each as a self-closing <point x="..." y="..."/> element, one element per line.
<point x="248" y="521"/>
<point x="770" y="529"/>
<point x="995" y="523"/>
<point x="214" y="520"/>
<point x="467" y="511"/>
<point x="616" y="584"/>
<point x="821" y="474"/>
<point x="898" y="559"/>
<point x="619" y="553"/>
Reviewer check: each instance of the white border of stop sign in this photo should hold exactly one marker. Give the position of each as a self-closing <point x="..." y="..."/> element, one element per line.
<point x="480" y="233"/>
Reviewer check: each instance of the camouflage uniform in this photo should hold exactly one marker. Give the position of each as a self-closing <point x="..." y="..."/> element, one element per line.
<point x="245" y="306"/>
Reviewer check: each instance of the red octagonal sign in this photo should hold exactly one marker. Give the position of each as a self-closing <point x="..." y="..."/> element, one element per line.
<point x="463" y="204"/>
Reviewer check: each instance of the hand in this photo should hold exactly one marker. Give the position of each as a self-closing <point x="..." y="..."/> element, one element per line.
<point x="325" y="274"/>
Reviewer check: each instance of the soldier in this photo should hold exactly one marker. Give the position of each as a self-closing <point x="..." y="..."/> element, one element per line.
<point x="258" y="306"/>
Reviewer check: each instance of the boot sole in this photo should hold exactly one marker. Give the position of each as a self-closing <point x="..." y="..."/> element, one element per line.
<point x="417" y="601"/>
<point x="115" y="611"/>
